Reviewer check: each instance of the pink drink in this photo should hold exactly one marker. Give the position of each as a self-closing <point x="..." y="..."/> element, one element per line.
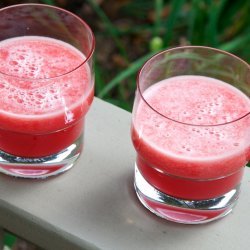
<point x="43" y="116"/>
<point x="192" y="162"/>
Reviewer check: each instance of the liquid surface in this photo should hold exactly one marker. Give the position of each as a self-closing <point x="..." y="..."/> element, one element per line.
<point x="197" y="100"/>
<point x="185" y="150"/>
<point x="35" y="86"/>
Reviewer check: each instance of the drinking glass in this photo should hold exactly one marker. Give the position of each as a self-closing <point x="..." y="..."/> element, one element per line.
<point x="191" y="131"/>
<point x="46" y="88"/>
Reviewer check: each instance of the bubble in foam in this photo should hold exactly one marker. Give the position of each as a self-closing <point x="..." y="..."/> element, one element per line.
<point x="22" y="102"/>
<point x="39" y="96"/>
<point x="32" y="68"/>
<point x="167" y="135"/>
<point x="13" y="63"/>
<point x="38" y="102"/>
<point x="186" y="148"/>
<point x="19" y="100"/>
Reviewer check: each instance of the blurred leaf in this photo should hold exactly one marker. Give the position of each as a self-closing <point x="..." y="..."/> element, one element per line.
<point x="197" y="20"/>
<point x="99" y="78"/>
<point x="132" y="69"/>
<point x="194" y="9"/>
<point x="110" y="27"/>
<point x="212" y="27"/>
<point x="158" y="12"/>
<point x="237" y="17"/>
<point x="49" y="2"/>
<point x="138" y="9"/>
<point x="176" y="6"/>
<point x="236" y="43"/>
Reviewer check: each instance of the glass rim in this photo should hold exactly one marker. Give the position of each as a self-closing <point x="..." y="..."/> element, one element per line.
<point x="181" y="48"/>
<point x="88" y="57"/>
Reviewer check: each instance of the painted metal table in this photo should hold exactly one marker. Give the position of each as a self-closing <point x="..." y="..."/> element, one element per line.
<point x="94" y="206"/>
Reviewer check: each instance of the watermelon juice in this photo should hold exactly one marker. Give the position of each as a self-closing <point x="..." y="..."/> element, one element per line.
<point x="188" y="142"/>
<point x="46" y="90"/>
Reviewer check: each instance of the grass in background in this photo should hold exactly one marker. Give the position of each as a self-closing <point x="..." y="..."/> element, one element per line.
<point x="221" y="24"/>
<point x="128" y="32"/>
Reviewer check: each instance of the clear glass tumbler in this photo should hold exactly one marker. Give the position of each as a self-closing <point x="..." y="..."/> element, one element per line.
<point x="46" y="88"/>
<point x="191" y="131"/>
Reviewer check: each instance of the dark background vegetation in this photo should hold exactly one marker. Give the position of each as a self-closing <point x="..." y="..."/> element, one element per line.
<point x="130" y="31"/>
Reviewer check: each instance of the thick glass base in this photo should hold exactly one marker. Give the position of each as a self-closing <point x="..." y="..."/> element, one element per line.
<point x="40" y="167"/>
<point x="180" y="210"/>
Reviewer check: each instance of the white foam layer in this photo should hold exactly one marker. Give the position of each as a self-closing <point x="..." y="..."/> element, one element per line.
<point x="37" y="58"/>
<point x="189" y="99"/>
<point x="197" y="100"/>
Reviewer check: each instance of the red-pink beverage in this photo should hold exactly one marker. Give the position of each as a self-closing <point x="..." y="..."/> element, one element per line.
<point x="44" y="96"/>
<point x="198" y="162"/>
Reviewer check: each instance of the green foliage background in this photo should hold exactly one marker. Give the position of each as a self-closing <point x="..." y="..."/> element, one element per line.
<point x="157" y="25"/>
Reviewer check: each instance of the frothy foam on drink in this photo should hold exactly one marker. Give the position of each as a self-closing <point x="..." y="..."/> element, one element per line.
<point x="37" y="57"/>
<point x="29" y="76"/>
<point x="194" y="100"/>
<point x="197" y="100"/>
